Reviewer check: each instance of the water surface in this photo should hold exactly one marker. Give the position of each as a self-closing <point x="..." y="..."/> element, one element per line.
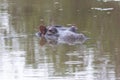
<point x="23" y="56"/>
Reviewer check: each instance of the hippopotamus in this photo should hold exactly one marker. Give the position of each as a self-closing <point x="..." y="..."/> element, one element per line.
<point x="61" y="34"/>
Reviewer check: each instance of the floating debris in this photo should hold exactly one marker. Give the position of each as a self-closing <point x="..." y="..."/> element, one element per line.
<point x="56" y="2"/>
<point x="109" y="0"/>
<point x="60" y="9"/>
<point x="102" y="9"/>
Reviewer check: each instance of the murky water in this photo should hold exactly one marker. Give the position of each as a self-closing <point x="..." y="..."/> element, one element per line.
<point x="23" y="56"/>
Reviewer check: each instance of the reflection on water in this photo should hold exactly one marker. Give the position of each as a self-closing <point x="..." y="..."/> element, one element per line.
<point x="24" y="57"/>
<point x="108" y="0"/>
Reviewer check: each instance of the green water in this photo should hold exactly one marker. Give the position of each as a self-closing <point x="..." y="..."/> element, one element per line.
<point x="23" y="56"/>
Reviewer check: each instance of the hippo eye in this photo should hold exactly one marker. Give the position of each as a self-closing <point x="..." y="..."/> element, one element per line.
<point x="50" y="30"/>
<point x="53" y="30"/>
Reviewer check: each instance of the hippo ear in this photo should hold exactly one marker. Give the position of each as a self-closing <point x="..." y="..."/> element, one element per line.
<point x="73" y="29"/>
<point x="43" y="29"/>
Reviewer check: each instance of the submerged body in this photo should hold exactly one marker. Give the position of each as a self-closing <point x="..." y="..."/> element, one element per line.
<point x="72" y="38"/>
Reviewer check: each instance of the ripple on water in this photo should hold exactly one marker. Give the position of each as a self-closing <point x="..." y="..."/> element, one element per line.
<point x="73" y="62"/>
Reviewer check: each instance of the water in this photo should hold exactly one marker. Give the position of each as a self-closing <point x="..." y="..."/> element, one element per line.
<point x="23" y="56"/>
